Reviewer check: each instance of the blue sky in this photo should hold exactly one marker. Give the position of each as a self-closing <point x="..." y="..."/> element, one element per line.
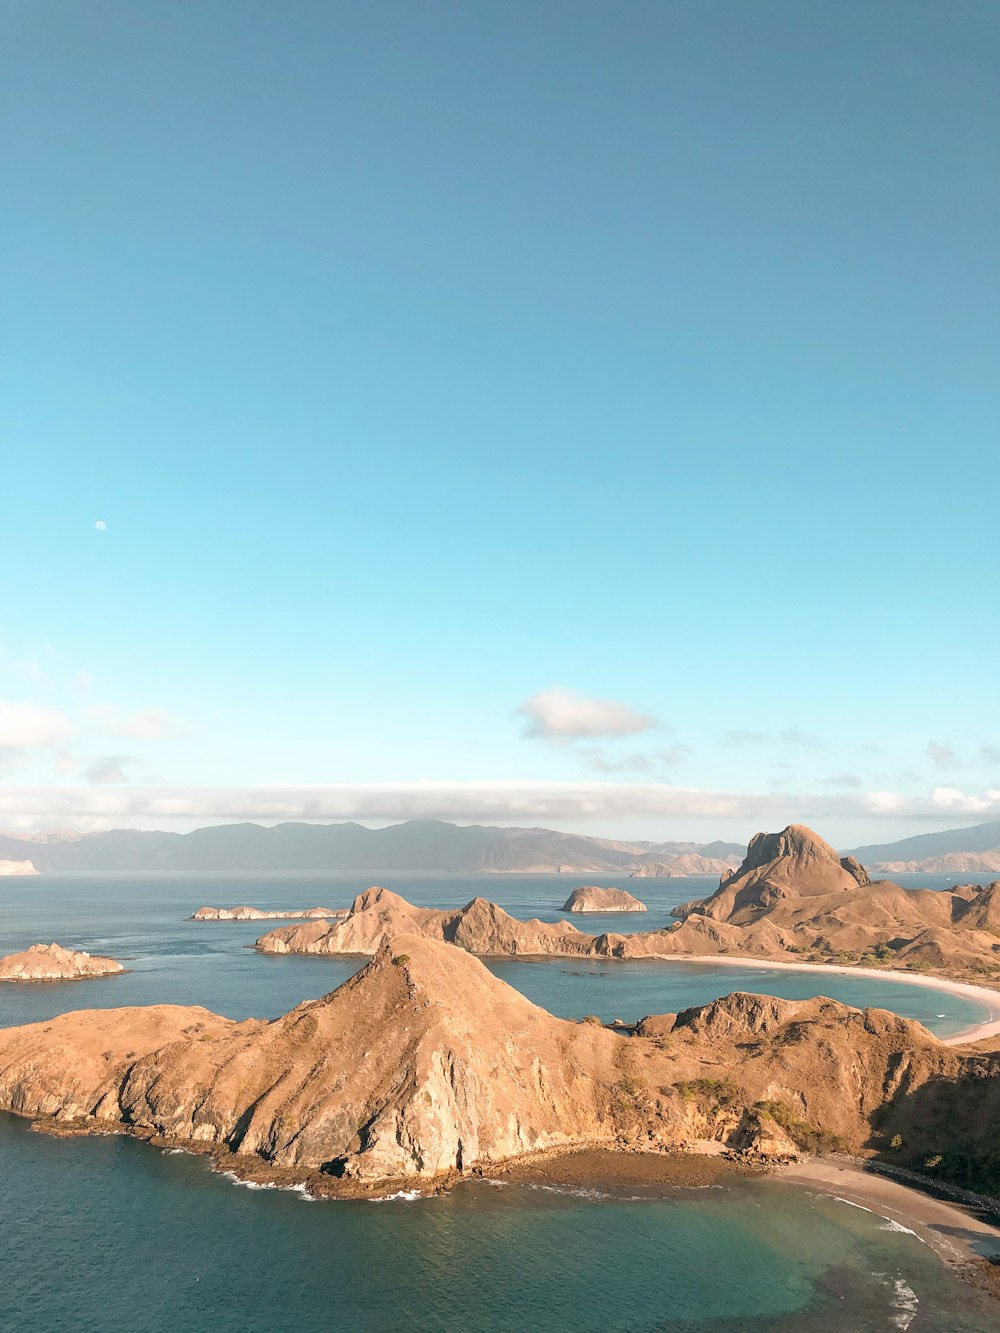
<point x="438" y="369"/>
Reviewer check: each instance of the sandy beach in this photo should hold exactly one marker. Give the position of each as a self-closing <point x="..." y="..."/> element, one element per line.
<point x="958" y="1232"/>
<point x="984" y="995"/>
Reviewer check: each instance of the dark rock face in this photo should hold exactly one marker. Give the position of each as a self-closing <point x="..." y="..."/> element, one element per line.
<point x="856" y="869"/>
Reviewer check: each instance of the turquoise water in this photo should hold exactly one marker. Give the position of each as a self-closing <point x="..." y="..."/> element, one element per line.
<point x="106" y="1232"/>
<point x="171" y="959"/>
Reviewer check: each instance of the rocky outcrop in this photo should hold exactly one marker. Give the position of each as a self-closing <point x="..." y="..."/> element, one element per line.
<point x="425" y="1066"/>
<point x="481" y="927"/>
<point x="51" y="962"/>
<point x="792" y="864"/>
<point x="17" y="868"/>
<point x="592" y="898"/>
<point x="258" y="914"/>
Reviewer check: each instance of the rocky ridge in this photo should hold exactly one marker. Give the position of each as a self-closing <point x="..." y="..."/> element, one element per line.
<point x="792" y="897"/>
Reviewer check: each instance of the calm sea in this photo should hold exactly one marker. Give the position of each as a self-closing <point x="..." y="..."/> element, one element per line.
<point x="105" y="1232"/>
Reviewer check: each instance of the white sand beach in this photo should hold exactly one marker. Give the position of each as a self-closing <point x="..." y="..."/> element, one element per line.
<point x="954" y="1230"/>
<point x="985" y="995"/>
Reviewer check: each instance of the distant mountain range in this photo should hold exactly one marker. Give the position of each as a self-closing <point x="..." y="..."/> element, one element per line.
<point x="926" y="847"/>
<point x="433" y="845"/>
<point x="419" y="844"/>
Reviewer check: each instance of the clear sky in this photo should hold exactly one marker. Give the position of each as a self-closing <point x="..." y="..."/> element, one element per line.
<point x="587" y="412"/>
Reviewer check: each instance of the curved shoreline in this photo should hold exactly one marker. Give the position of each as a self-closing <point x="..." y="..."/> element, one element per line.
<point x="985" y="995"/>
<point x="958" y="1230"/>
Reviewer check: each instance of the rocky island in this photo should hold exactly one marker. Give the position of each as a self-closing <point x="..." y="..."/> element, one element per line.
<point x="259" y="914"/>
<point x="17" y="868"/>
<point x="425" y="1067"/>
<point x="592" y="898"/>
<point x="51" y="962"/>
<point x="793" y="899"/>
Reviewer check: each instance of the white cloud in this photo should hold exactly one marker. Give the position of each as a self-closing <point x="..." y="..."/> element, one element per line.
<point x="145" y="724"/>
<point x="108" y="770"/>
<point x="564" y="715"/>
<point x="504" y="801"/>
<point x="600" y="761"/>
<point x="942" y="756"/>
<point x="791" y="736"/>
<point x="950" y="798"/>
<point x="26" y="726"/>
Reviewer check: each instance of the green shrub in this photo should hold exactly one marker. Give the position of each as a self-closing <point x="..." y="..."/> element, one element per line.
<point x="803" y="1135"/>
<point x="713" y="1090"/>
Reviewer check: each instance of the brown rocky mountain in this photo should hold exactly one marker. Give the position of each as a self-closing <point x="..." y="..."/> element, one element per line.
<point x="481" y="927"/>
<point x="425" y="1066"/>
<point x="51" y="962"/>
<point x="592" y="898"/>
<point x="793" y="896"/>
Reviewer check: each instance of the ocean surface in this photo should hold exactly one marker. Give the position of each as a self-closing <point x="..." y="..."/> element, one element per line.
<point x="106" y="1232"/>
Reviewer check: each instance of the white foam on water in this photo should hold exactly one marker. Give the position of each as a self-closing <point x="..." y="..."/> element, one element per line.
<point x="401" y="1196"/>
<point x="582" y="1192"/>
<point x="890" y="1223"/>
<point x="268" y="1185"/>
<point x="904" y="1304"/>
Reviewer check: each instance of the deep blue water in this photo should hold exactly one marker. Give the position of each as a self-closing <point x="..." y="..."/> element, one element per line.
<point x="106" y="1232"/>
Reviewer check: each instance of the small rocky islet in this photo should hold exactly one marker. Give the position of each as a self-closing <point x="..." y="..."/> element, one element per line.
<point x="51" y="962"/>
<point x="593" y="898"/>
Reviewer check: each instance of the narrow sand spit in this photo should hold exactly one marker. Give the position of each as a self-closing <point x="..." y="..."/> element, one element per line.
<point x="983" y="994"/>
<point x="953" y="1230"/>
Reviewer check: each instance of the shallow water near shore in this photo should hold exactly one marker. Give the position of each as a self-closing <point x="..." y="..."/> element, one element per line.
<point x="105" y="1232"/>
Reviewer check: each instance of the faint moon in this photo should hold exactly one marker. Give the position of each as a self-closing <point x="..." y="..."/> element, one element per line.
<point x="101" y="526"/>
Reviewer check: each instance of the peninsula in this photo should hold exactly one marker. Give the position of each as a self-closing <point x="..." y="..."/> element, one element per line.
<point x="51" y="962"/>
<point x="425" y="1067"/>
